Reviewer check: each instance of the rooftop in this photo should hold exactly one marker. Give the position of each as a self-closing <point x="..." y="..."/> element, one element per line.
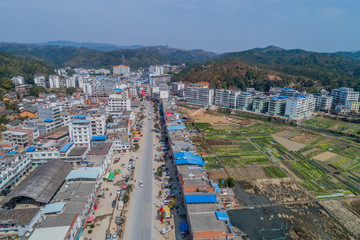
<point x="84" y="173"/>
<point x="18" y="216"/>
<point x="99" y="148"/>
<point x="77" y="151"/>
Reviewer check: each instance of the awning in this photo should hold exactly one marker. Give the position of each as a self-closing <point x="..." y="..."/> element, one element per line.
<point x="184" y="227"/>
<point x="222" y="216"/>
<point x="89" y="219"/>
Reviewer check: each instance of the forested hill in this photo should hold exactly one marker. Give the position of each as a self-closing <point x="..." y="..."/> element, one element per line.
<point x="11" y="66"/>
<point x="295" y="67"/>
<point x="69" y="56"/>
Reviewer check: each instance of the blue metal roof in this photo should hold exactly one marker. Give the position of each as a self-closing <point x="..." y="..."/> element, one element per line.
<point x="30" y="149"/>
<point x="201" y="169"/>
<point x="174" y="128"/>
<point x="53" y="208"/>
<point x="216" y="186"/>
<point x="9" y="153"/>
<point x="117" y="89"/>
<point x="184" y="227"/>
<point x="287" y="88"/>
<point x="66" y="147"/>
<point x="79" y="116"/>
<point x="188" y="158"/>
<point x="203" y="198"/>
<point x="88" y="173"/>
<point x="222" y="216"/>
<point x="81" y="121"/>
<point x="48" y="120"/>
<point x="99" y="138"/>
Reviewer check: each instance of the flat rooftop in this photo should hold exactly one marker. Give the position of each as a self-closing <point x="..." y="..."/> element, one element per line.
<point x="18" y="216"/>
<point x="75" y="192"/>
<point x="100" y="148"/>
<point x="77" y="151"/>
<point x="57" y="133"/>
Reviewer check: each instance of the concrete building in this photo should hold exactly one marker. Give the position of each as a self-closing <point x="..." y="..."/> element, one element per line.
<point x="277" y="105"/>
<point x="244" y="101"/>
<point x="16" y="138"/>
<point x="199" y="94"/>
<point x="19" y="80"/>
<point x="260" y="104"/>
<point x="121" y="69"/>
<point x="343" y="95"/>
<point x="299" y="106"/>
<point x="97" y="116"/>
<point x="288" y="91"/>
<point x="80" y="131"/>
<point x="323" y="102"/>
<point x="40" y="81"/>
<point x="54" y="81"/>
<point x="49" y="113"/>
<point x="156" y="70"/>
<point x="119" y="101"/>
<point x="177" y="87"/>
<point x="226" y="98"/>
<point x="353" y="106"/>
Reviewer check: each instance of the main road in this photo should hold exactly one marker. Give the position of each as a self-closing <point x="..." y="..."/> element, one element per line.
<point x="139" y="223"/>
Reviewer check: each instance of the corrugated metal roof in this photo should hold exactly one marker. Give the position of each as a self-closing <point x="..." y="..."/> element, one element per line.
<point x="66" y="147"/>
<point x="188" y="158"/>
<point x="99" y="138"/>
<point x="216" y="186"/>
<point x="84" y="173"/>
<point x="53" y="207"/>
<point x="174" y="128"/>
<point x="204" y="198"/>
<point x="222" y="216"/>
<point x="79" y="116"/>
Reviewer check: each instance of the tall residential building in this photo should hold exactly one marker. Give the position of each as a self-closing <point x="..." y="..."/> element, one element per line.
<point x="80" y="130"/>
<point x="176" y="87"/>
<point x="343" y="95"/>
<point x="288" y="91"/>
<point x="323" y="102"/>
<point x="121" y="69"/>
<point x="226" y="98"/>
<point x="88" y="88"/>
<point x="244" y="101"/>
<point x="19" y="80"/>
<point x="277" y="105"/>
<point x="50" y="113"/>
<point x="119" y="101"/>
<point x="353" y="106"/>
<point x="199" y="94"/>
<point x="54" y="81"/>
<point x="299" y="106"/>
<point x="260" y="104"/>
<point x="70" y="82"/>
<point x="97" y="116"/>
<point x="157" y="70"/>
<point x="40" y="81"/>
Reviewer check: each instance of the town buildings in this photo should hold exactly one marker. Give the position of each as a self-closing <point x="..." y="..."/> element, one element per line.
<point x="199" y="94"/>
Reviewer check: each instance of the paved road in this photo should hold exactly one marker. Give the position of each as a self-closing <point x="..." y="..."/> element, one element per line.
<point x="139" y="224"/>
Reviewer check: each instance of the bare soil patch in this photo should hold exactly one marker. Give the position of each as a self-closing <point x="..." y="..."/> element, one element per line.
<point x="219" y="142"/>
<point x="287" y="134"/>
<point x="305" y="138"/>
<point x="324" y="156"/>
<point x="309" y="151"/>
<point x="220" y="126"/>
<point x="217" y="174"/>
<point x="247" y="173"/>
<point x="288" y="144"/>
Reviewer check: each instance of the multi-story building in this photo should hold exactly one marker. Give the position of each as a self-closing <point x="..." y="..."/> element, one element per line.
<point x="70" y="82"/>
<point x="226" y="98"/>
<point x="50" y="113"/>
<point x="177" y="87"/>
<point x="19" y="80"/>
<point x="16" y="138"/>
<point x="88" y="88"/>
<point x="288" y="91"/>
<point x="260" y="104"/>
<point x="156" y="70"/>
<point x="299" y="106"/>
<point x="97" y="116"/>
<point x="22" y="88"/>
<point x="119" y="101"/>
<point x="80" y="130"/>
<point x="54" y="81"/>
<point x="40" y="81"/>
<point x="323" y="102"/>
<point x="199" y="94"/>
<point x="353" y="106"/>
<point x="277" y="105"/>
<point x="121" y="69"/>
<point x="244" y="101"/>
<point x="343" y="95"/>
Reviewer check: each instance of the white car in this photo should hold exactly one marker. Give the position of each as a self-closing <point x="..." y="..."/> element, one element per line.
<point x="165" y="230"/>
<point x="141" y="184"/>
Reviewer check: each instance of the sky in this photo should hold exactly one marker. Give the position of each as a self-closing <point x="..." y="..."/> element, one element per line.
<point x="213" y="25"/>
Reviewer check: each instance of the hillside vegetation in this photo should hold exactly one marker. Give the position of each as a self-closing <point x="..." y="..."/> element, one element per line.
<point x="271" y="66"/>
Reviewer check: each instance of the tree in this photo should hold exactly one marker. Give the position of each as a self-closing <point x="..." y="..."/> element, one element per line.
<point x="230" y="182"/>
<point x="110" y="119"/>
<point x="159" y="171"/>
<point x="35" y="91"/>
<point x="10" y="105"/>
<point x="70" y="90"/>
<point x="172" y="203"/>
<point x="156" y="126"/>
<point x="136" y="147"/>
<point x="163" y="214"/>
<point x="160" y="193"/>
<point x="3" y="120"/>
<point x="142" y="117"/>
<point x="129" y="187"/>
<point x="6" y="83"/>
<point x="126" y="198"/>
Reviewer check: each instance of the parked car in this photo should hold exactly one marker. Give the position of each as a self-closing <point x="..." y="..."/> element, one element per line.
<point x="118" y="191"/>
<point x="113" y="204"/>
<point x="165" y="230"/>
<point x="117" y="219"/>
<point x="141" y="184"/>
<point x="108" y="236"/>
<point x="123" y="165"/>
<point x="116" y="161"/>
<point x="167" y="173"/>
<point x="115" y="236"/>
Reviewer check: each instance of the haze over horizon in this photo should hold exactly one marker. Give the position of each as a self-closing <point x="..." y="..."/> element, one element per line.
<point x="219" y="26"/>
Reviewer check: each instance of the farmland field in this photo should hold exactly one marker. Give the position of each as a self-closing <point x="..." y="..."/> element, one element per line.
<point x="335" y="125"/>
<point x="275" y="172"/>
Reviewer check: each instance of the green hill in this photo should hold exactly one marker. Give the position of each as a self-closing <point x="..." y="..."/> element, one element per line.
<point x="298" y="67"/>
<point x="11" y="66"/>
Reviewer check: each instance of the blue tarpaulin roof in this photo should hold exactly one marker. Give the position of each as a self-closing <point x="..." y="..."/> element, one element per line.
<point x="216" y="186"/>
<point x="222" y="216"/>
<point x="80" y="116"/>
<point x="48" y="120"/>
<point x="53" y="207"/>
<point x="66" y="147"/>
<point x="184" y="227"/>
<point x="12" y="153"/>
<point x="203" y="198"/>
<point x="99" y="138"/>
<point x="30" y="149"/>
<point x="117" y="89"/>
<point x="188" y="158"/>
<point x="174" y="128"/>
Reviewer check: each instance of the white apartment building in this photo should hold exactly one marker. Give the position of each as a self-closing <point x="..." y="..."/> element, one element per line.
<point x="226" y="98"/>
<point x="323" y="102"/>
<point x="277" y="105"/>
<point x="119" y="101"/>
<point x="88" y="88"/>
<point x="70" y="82"/>
<point x="40" y="81"/>
<point x="157" y="70"/>
<point x="54" y="81"/>
<point x="199" y="94"/>
<point x="244" y="101"/>
<point x="299" y="106"/>
<point x="97" y="117"/>
<point x="102" y="71"/>
<point x="19" y="80"/>
<point x="80" y="131"/>
<point x="176" y="87"/>
<point x="16" y="138"/>
<point x="343" y="95"/>
<point x="288" y="92"/>
<point x="49" y="112"/>
<point x="121" y="69"/>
